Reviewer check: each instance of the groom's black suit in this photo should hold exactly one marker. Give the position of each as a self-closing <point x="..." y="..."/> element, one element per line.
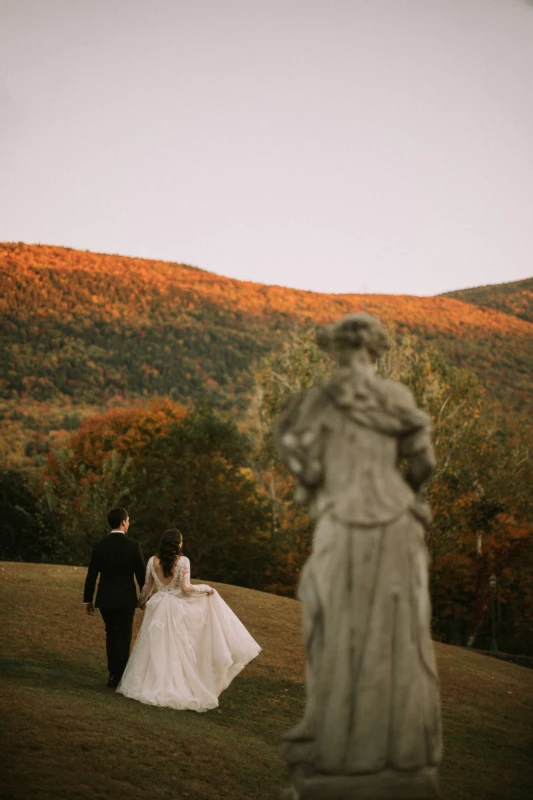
<point x="117" y="559"/>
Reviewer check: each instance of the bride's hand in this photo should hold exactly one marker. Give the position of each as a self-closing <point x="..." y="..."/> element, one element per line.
<point x="211" y="591"/>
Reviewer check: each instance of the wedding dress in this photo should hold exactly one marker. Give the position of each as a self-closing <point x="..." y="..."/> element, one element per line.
<point x="190" y="646"/>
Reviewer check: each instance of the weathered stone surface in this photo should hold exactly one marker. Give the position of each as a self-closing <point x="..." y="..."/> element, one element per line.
<point x="371" y="727"/>
<point x="416" y="785"/>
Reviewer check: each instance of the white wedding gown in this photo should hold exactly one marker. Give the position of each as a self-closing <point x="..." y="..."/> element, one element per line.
<point x="190" y="645"/>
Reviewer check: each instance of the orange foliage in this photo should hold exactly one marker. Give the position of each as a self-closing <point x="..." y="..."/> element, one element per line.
<point x="42" y="284"/>
<point x="123" y="430"/>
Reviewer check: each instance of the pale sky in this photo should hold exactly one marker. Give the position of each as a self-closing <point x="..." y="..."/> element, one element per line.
<point x="334" y="145"/>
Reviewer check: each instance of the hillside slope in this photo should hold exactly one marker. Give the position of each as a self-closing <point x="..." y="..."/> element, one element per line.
<point x="515" y="298"/>
<point x="68" y="736"/>
<point x="82" y="328"/>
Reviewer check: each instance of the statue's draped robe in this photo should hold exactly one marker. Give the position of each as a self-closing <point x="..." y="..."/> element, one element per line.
<point x="373" y="694"/>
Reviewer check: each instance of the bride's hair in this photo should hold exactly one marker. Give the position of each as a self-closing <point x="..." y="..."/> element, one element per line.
<point x="169" y="550"/>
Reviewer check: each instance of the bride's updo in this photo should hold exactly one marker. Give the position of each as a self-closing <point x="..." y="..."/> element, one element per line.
<point x="169" y="550"/>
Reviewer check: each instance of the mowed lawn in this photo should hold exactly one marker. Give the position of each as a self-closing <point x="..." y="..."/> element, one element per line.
<point x="66" y="735"/>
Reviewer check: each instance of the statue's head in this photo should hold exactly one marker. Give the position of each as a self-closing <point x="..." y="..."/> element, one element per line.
<point x="356" y="331"/>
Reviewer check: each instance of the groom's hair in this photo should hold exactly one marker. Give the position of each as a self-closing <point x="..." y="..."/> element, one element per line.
<point x="116" y="516"/>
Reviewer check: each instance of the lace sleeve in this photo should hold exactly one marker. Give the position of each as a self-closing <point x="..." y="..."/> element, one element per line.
<point x="148" y="584"/>
<point x="185" y="580"/>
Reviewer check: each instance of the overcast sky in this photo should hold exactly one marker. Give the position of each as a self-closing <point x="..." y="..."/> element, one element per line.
<point x="332" y="145"/>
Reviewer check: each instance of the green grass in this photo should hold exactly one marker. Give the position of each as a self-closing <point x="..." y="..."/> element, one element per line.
<point x="67" y="736"/>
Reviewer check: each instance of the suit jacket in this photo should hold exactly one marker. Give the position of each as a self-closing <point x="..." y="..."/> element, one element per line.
<point x="117" y="559"/>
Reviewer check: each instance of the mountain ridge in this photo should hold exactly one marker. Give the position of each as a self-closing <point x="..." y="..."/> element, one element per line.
<point x="514" y="298"/>
<point x="274" y="297"/>
<point x="88" y="328"/>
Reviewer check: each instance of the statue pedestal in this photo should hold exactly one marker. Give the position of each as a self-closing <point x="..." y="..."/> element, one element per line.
<point x="420" y="784"/>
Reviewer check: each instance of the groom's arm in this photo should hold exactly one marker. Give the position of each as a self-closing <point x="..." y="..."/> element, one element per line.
<point x="90" y="580"/>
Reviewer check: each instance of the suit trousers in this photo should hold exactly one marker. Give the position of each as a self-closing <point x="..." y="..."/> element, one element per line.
<point x="118" y="632"/>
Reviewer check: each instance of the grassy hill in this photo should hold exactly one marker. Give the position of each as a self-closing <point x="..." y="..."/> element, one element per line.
<point x="515" y="298"/>
<point x="68" y="736"/>
<point x="83" y="331"/>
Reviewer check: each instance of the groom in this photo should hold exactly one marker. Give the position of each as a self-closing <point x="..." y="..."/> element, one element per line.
<point x="118" y="559"/>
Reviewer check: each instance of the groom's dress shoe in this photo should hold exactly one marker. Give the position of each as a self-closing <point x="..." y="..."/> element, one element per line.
<point x="112" y="682"/>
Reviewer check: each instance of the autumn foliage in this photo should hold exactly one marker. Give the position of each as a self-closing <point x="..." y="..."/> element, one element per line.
<point x="140" y="382"/>
<point x="125" y="431"/>
<point x="85" y="331"/>
<point x="480" y="492"/>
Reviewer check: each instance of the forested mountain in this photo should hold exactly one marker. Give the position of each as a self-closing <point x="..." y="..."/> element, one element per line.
<point x="83" y="331"/>
<point x="514" y="298"/>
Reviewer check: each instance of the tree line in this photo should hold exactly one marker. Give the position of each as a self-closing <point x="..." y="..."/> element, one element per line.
<point x="220" y="481"/>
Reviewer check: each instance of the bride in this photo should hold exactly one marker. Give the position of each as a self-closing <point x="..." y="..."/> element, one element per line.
<point x="190" y="645"/>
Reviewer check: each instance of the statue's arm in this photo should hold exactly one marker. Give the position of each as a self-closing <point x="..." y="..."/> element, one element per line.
<point x="421" y="467"/>
<point x="287" y="442"/>
<point x="299" y="437"/>
<point x="415" y="446"/>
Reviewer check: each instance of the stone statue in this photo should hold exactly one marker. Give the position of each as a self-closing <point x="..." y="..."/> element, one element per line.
<point x="371" y="727"/>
